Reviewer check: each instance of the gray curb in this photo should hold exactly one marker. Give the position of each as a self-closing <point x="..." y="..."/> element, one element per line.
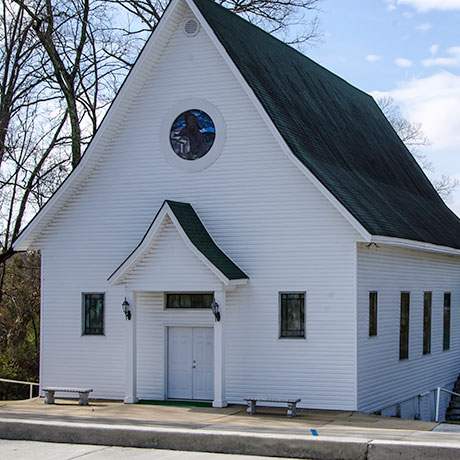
<point x="319" y="448"/>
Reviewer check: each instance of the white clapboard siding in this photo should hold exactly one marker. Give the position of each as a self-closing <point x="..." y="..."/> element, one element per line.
<point x="67" y="357"/>
<point x="383" y="379"/>
<point x="261" y="211"/>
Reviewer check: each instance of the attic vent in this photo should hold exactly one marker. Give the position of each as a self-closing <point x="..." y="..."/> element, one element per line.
<point x="191" y="27"/>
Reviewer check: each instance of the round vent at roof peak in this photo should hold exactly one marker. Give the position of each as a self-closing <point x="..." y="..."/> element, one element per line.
<point x="191" y="27"/>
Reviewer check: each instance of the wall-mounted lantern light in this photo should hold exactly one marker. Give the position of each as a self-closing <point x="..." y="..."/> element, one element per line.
<point x="215" y="310"/>
<point x="126" y="310"/>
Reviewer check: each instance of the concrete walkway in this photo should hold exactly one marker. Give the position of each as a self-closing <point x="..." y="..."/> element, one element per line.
<point x="313" y="434"/>
<point x="27" y="450"/>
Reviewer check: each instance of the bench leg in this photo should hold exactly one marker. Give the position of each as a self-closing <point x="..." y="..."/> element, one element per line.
<point x="49" y="397"/>
<point x="291" y="410"/>
<point x="83" y="401"/>
<point x="251" y="407"/>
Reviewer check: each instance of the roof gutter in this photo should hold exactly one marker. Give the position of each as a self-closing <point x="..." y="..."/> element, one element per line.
<point x="417" y="245"/>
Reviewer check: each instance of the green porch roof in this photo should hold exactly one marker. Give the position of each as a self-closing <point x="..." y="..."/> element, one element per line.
<point x="339" y="133"/>
<point x="200" y="238"/>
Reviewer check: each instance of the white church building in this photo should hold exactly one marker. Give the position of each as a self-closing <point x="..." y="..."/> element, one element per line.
<point x="233" y="172"/>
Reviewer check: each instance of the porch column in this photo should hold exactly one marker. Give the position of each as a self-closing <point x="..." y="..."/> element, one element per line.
<point x="219" y="353"/>
<point x="131" y="350"/>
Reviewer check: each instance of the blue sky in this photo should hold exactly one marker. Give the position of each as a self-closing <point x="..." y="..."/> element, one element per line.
<point x="406" y="49"/>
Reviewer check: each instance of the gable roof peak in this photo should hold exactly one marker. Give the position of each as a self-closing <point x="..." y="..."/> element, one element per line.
<point x="196" y="237"/>
<point x="338" y="133"/>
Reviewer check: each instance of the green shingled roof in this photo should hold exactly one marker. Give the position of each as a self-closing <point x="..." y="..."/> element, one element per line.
<point x="195" y="230"/>
<point x="339" y="133"/>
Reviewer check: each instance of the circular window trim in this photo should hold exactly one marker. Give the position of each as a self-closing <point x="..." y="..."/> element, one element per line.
<point x="205" y="161"/>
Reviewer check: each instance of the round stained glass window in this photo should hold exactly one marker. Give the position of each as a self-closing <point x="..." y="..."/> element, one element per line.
<point x="192" y="134"/>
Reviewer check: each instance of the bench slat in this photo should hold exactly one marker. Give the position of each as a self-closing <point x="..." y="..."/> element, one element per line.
<point x="272" y="399"/>
<point x="69" y="390"/>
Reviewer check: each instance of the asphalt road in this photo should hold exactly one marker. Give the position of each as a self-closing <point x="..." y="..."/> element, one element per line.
<point x="31" y="450"/>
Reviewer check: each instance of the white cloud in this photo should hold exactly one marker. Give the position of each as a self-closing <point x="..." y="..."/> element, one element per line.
<point x="451" y="60"/>
<point x="428" y="5"/>
<point x="434" y="102"/>
<point x="373" y="57"/>
<point x="424" y="27"/>
<point x="402" y="62"/>
<point x="434" y="49"/>
<point x="391" y="5"/>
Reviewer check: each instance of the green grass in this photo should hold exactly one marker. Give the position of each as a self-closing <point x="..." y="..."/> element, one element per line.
<point x="176" y="403"/>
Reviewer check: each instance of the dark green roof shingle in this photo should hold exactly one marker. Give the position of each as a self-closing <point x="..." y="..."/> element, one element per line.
<point x="339" y="133"/>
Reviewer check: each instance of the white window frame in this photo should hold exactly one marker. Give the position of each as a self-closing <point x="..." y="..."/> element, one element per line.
<point x="280" y="316"/>
<point x="83" y="313"/>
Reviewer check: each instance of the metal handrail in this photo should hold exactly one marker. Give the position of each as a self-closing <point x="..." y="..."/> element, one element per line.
<point x="23" y="383"/>
<point x="438" y="398"/>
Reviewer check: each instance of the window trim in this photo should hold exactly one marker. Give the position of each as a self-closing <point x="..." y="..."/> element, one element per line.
<point x="444" y="348"/>
<point x="280" y="316"/>
<point x="83" y="313"/>
<point x="405" y="358"/>
<point x="376" y="313"/>
<point x="165" y="301"/>
<point x="430" y="335"/>
<point x="219" y="142"/>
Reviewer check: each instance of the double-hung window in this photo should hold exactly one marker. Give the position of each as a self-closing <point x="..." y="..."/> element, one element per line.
<point x="93" y="313"/>
<point x="373" y="297"/>
<point x="292" y="306"/>
<point x="427" y="296"/>
<point x="446" y="328"/>
<point x="404" y="326"/>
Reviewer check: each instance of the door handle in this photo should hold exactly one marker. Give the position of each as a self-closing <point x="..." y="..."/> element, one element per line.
<point x="194" y="364"/>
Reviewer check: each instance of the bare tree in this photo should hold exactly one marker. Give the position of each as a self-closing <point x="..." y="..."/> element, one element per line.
<point x="21" y="93"/>
<point x="275" y="16"/>
<point x="77" y="38"/>
<point x="60" y="66"/>
<point x="413" y="136"/>
<point x="18" y="78"/>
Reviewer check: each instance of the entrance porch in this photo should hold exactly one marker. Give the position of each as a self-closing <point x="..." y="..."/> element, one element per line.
<point x="176" y="352"/>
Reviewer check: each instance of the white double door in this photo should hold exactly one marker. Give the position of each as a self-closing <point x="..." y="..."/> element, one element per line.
<point x="191" y="363"/>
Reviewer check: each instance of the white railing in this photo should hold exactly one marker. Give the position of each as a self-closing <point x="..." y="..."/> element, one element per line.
<point x="438" y="399"/>
<point x="31" y="385"/>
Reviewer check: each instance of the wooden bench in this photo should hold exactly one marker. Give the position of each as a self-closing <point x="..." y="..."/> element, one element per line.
<point x="83" y="392"/>
<point x="291" y="403"/>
